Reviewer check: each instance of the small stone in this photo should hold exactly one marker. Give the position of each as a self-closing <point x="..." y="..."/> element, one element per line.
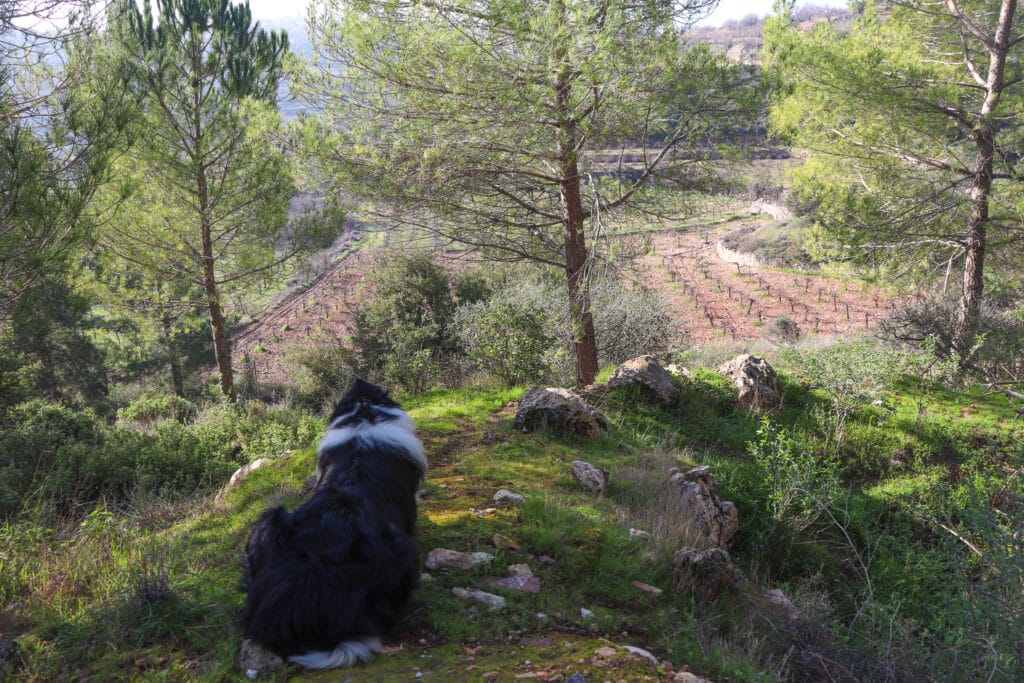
<point x="606" y="652"/>
<point x="544" y="559"/>
<point x="687" y="677"/>
<point x="251" y="674"/>
<point x="503" y="496"/>
<point x="540" y="616"/>
<point x="426" y="577"/>
<point x="489" y="599"/>
<point x="504" y="542"/>
<point x="591" y="478"/>
<point x="585" y="613"/>
<point x="442" y="558"/>
<point x="642" y="654"/>
<point x="519" y="570"/>
<point x="537" y="642"/>
<point x="639" y="533"/>
<point x="676" y="370"/>
<point x="253" y="656"/>
<point x="419" y="674"/>
<point x="648" y="589"/>
<point x="523" y="584"/>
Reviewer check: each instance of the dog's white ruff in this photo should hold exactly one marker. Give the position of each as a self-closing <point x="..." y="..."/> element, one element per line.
<point x="399" y="432"/>
<point x="346" y="654"/>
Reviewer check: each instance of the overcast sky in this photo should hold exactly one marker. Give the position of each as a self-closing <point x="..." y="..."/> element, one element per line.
<point x="727" y="9"/>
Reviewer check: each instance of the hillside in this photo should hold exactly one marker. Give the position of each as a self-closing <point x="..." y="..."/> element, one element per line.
<point x="883" y="584"/>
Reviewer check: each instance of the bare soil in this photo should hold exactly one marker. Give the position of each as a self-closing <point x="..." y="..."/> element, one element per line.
<point x="713" y="300"/>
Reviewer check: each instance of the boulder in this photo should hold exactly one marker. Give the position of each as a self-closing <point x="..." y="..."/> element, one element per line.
<point x="706" y="572"/>
<point x="646" y="373"/>
<point x="522" y="584"/>
<point x="716" y="520"/>
<point x="558" y="409"/>
<point x="591" y="478"/>
<point x="754" y="377"/>
<point x="442" y="558"/>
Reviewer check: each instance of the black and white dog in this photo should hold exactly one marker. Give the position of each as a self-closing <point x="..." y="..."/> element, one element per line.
<point x="323" y="583"/>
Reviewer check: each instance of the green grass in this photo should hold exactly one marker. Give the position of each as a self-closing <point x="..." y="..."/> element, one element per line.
<point x="150" y="592"/>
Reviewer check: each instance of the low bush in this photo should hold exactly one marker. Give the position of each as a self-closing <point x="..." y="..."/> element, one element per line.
<point x="153" y="406"/>
<point x="65" y="459"/>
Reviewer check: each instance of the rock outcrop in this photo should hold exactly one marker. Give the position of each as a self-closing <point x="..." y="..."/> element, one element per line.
<point x="706" y="572"/>
<point x="442" y="558"/>
<point x="754" y="377"/>
<point x="716" y="520"/>
<point x="558" y="409"/>
<point x="591" y="478"/>
<point x="646" y="373"/>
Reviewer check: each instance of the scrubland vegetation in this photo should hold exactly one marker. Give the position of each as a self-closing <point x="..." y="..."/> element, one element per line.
<point x="155" y="206"/>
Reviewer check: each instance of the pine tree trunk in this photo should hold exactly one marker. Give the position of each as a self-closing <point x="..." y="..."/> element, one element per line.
<point x="574" y="237"/>
<point x="969" y="312"/>
<point x="221" y="345"/>
<point x="177" y="376"/>
<point x="976" y="237"/>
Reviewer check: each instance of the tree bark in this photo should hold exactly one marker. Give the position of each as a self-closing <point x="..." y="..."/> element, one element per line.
<point x="976" y="238"/>
<point x="177" y="377"/>
<point x="574" y="237"/>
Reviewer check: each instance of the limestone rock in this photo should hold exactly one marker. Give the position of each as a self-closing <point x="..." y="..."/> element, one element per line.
<point x="254" y="657"/>
<point x="503" y="496"/>
<point x="442" y="558"/>
<point x="675" y="370"/>
<point x="647" y="373"/>
<point x="648" y="589"/>
<point x="639" y="533"/>
<point x="522" y="584"/>
<point x="558" y="409"/>
<point x="706" y="572"/>
<point x="715" y="519"/>
<point x="520" y="570"/>
<point x="754" y="377"/>
<point x="641" y="653"/>
<point x="591" y="478"/>
<point x="489" y="599"/>
<point x="504" y="542"/>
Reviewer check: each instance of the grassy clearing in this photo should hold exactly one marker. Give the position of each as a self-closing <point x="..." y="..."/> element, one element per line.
<point x="151" y="592"/>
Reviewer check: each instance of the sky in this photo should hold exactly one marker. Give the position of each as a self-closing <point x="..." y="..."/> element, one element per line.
<point x="727" y="9"/>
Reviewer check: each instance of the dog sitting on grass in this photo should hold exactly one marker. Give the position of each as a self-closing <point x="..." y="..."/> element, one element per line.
<point x="324" y="582"/>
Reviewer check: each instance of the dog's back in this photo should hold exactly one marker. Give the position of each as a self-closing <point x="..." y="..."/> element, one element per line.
<point x="325" y="581"/>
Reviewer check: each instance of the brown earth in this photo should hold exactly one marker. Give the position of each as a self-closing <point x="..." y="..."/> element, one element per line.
<point x="713" y="300"/>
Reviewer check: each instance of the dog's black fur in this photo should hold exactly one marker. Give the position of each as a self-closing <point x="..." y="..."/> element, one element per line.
<point x="343" y="566"/>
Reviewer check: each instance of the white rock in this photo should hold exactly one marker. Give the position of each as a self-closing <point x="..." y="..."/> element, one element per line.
<point x="643" y="654"/>
<point x="442" y="558"/>
<point x="585" y="613"/>
<point x="503" y="496"/>
<point x="639" y="533"/>
<point x="489" y="599"/>
<point x="520" y="570"/>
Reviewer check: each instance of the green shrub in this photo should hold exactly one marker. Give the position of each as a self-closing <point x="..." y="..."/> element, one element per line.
<point x="153" y="406"/>
<point x="322" y="374"/>
<point x="506" y="339"/>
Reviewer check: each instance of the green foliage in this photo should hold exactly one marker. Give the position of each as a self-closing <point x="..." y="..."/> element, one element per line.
<point x="155" y="406"/>
<point x="324" y="372"/>
<point x="63" y="458"/>
<point x="800" y="484"/>
<point x="402" y="334"/>
<point x="850" y="373"/>
<point x="506" y="339"/>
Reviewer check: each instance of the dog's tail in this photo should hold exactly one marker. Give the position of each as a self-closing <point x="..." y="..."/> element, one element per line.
<point x="345" y="654"/>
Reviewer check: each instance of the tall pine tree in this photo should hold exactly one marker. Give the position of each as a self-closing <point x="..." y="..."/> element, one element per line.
<point x="208" y="202"/>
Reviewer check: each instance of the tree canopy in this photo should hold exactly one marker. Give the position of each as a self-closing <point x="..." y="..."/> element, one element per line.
<point x="517" y="127"/>
<point x="203" y="201"/>
<point x="912" y="126"/>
